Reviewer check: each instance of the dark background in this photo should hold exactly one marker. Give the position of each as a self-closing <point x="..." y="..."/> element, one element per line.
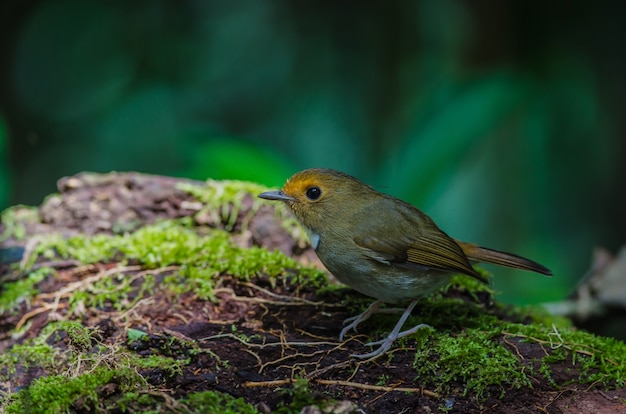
<point x="503" y="120"/>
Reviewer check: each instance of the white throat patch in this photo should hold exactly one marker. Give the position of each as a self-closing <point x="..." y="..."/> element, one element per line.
<point x="313" y="237"/>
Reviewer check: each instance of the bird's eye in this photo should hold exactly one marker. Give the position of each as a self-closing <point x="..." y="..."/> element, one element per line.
<point x="313" y="193"/>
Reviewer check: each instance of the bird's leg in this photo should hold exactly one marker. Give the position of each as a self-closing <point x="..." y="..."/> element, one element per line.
<point x="356" y="320"/>
<point x="386" y="343"/>
<point x="377" y="310"/>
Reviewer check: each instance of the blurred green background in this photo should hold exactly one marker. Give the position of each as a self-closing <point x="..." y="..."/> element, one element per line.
<point x="503" y="120"/>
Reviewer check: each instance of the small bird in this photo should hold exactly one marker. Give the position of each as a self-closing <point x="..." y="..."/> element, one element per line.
<point x="381" y="246"/>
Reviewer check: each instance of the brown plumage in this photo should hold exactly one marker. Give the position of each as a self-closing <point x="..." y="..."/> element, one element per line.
<point x="380" y="245"/>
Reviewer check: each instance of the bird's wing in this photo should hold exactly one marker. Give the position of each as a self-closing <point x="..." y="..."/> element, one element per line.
<point x="437" y="252"/>
<point x="407" y="237"/>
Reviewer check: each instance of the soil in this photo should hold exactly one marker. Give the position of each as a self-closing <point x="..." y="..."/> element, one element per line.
<point x="282" y="333"/>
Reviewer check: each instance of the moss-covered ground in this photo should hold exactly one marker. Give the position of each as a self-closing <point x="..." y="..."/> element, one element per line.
<point x="201" y="298"/>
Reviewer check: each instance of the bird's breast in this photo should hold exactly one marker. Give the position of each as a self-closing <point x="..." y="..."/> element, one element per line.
<point x="387" y="282"/>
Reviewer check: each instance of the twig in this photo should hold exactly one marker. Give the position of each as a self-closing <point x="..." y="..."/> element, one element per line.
<point x="382" y="388"/>
<point x="71" y="287"/>
<point x="289" y="301"/>
<point x="569" y="347"/>
<point x="233" y="336"/>
<point x="275" y="383"/>
<point x="289" y="298"/>
<point x="45" y="308"/>
<point x="29" y="249"/>
<point x="292" y="356"/>
<point x="519" y="355"/>
<point x="368" y="387"/>
<point x="342" y="364"/>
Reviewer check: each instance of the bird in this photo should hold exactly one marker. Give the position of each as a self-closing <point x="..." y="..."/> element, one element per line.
<point x="381" y="246"/>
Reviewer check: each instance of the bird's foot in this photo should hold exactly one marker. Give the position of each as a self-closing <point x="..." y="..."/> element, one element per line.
<point x="385" y="344"/>
<point x="356" y="320"/>
<point x="400" y="335"/>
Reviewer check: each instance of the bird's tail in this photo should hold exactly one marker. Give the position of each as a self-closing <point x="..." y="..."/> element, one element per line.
<point x="483" y="254"/>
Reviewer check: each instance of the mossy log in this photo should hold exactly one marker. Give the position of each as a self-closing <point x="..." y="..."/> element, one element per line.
<point x="127" y="292"/>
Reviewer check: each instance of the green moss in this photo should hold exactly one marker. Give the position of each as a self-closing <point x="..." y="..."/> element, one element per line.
<point x="38" y="353"/>
<point x="299" y="396"/>
<point x="153" y="246"/>
<point x="173" y="243"/>
<point x="113" y="291"/>
<point x="383" y="380"/>
<point x="179" y="351"/>
<point x="170" y="365"/>
<point x="475" y="358"/>
<point x="199" y="280"/>
<point x="469" y="284"/>
<point x="13" y="219"/>
<point x="200" y="260"/>
<point x="595" y="359"/>
<point x="15" y="293"/>
<point x="470" y="345"/>
<point x="22" y="357"/>
<point x="467" y="345"/>
<point x="147" y="402"/>
<point x="218" y="193"/>
<point x="83" y="345"/>
<point x="86" y="369"/>
<point x="80" y="337"/>
<point x="216" y="402"/>
<point x="225" y="197"/>
<point x="58" y="393"/>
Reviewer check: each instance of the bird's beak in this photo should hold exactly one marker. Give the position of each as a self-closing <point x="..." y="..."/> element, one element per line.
<point x="276" y="195"/>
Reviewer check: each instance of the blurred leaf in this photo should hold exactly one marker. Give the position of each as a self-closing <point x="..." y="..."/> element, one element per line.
<point x="239" y="160"/>
<point x="71" y="59"/>
<point x="505" y="136"/>
<point x="142" y="132"/>
<point x="432" y="146"/>
<point x="135" y="334"/>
